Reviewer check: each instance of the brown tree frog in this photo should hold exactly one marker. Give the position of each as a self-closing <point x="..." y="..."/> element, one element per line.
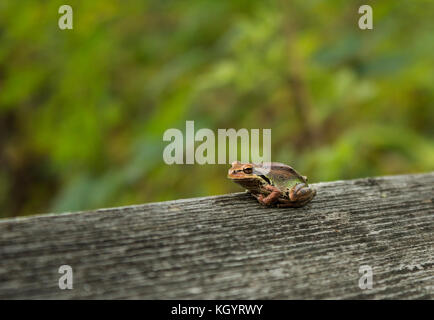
<point x="272" y="183"/>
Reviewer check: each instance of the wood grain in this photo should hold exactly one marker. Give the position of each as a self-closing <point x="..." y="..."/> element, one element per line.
<point x="230" y="247"/>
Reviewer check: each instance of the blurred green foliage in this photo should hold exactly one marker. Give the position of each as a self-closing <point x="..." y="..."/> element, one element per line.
<point x="83" y="111"/>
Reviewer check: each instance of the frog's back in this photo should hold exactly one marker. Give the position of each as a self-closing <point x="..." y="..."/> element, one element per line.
<point x="282" y="175"/>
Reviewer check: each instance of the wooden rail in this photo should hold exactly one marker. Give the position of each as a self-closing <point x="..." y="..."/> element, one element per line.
<point x="230" y="247"/>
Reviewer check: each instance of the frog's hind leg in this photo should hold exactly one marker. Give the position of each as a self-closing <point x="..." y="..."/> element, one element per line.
<point x="299" y="196"/>
<point x="301" y="192"/>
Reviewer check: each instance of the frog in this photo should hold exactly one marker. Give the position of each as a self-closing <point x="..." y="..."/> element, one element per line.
<point x="272" y="183"/>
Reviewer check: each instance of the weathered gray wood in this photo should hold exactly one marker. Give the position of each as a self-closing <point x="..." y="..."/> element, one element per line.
<point x="230" y="247"/>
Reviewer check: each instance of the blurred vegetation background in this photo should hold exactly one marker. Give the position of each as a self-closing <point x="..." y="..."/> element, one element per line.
<point x="83" y="111"/>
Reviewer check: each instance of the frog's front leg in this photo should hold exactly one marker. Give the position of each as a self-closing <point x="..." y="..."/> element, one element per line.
<point x="274" y="195"/>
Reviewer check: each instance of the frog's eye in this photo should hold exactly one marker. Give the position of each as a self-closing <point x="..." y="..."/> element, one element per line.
<point x="248" y="170"/>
